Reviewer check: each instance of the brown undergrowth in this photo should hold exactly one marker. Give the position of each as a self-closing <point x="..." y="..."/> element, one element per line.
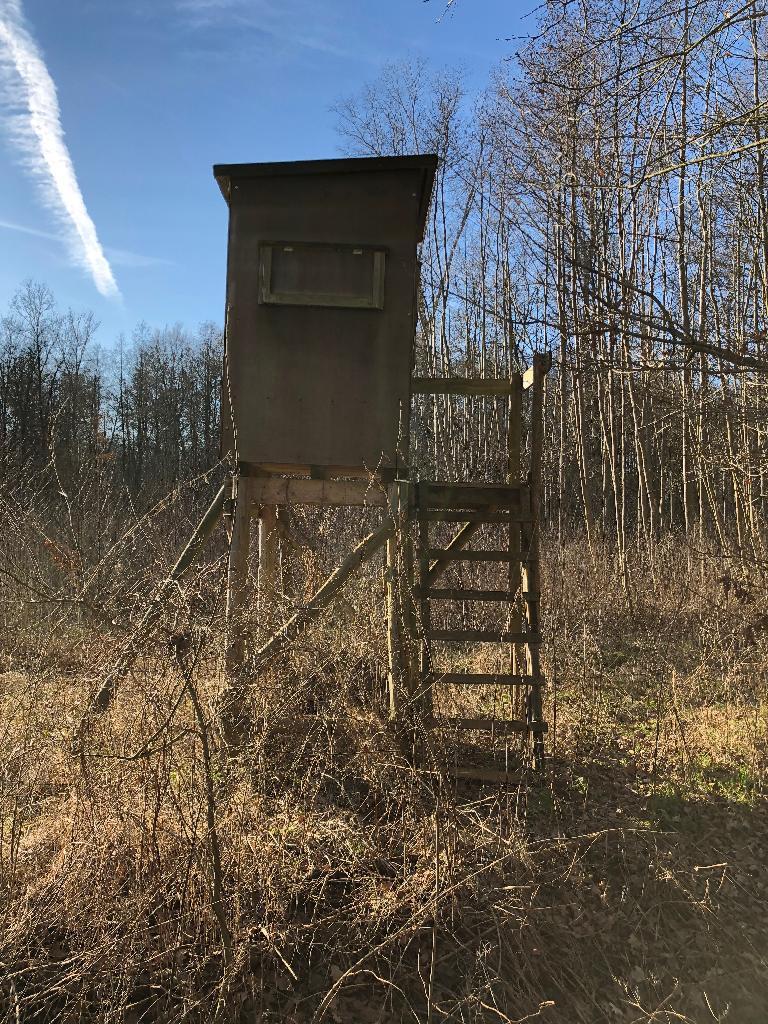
<point x="148" y="877"/>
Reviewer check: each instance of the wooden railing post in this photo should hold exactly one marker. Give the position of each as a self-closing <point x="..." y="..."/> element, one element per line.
<point x="269" y="555"/>
<point x="514" y="442"/>
<point x="530" y="576"/>
<point x="395" y="653"/>
<point x="237" y="573"/>
<point x="401" y="626"/>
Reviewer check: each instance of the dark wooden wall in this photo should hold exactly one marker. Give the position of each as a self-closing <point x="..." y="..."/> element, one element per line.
<point x="312" y="385"/>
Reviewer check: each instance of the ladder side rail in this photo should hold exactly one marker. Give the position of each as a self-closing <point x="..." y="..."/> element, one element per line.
<point x="530" y="536"/>
<point x="514" y="444"/>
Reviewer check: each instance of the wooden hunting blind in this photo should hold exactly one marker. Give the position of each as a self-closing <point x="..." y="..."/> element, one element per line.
<point x="321" y="310"/>
<point x="318" y="390"/>
<point x="317" y="394"/>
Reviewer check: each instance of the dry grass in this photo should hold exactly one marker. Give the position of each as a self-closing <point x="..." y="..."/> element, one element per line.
<point x="318" y="877"/>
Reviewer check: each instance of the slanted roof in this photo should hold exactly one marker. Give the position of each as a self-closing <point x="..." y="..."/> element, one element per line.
<point x="225" y="174"/>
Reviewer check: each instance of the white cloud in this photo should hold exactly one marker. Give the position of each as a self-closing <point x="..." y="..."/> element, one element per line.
<point x="118" y="257"/>
<point x="135" y="260"/>
<point x="10" y="225"/>
<point x="33" y="119"/>
<point x="304" y="24"/>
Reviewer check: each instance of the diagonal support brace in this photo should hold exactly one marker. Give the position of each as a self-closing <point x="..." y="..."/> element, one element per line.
<point x="299" y="622"/>
<point x="232" y="714"/>
<point x="131" y="649"/>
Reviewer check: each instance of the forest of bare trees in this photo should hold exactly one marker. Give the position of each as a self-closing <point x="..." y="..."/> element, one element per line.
<point x="605" y="199"/>
<point x="138" y="416"/>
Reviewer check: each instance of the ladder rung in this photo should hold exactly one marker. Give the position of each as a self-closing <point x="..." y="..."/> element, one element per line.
<point x="459" y="594"/>
<point x="485" y="679"/>
<point x="497" y="725"/>
<point x="441" y="555"/>
<point x="435" y="515"/>
<point x="483" y="636"/>
<point x="460" y="386"/>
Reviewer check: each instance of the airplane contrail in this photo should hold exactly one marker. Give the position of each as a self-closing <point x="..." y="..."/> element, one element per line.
<point x="34" y="123"/>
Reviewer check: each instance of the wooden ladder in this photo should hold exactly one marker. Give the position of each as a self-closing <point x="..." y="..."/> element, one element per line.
<point x="474" y="505"/>
<point x="515" y="506"/>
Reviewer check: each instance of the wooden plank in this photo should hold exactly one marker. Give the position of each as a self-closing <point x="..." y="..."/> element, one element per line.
<point x="481" y="496"/>
<point x="482" y="636"/>
<point x="316" y="472"/>
<point x="325" y="493"/>
<point x="498" y="725"/>
<point x="485" y="679"/>
<point x="487" y="386"/>
<point x="459" y="555"/>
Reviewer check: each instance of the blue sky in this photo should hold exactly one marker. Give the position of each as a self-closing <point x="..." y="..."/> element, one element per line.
<point x="151" y="94"/>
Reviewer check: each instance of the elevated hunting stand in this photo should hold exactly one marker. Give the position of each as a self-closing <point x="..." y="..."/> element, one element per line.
<point x="317" y="396"/>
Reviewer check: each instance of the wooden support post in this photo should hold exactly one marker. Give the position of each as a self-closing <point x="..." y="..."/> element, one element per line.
<point x="269" y="555"/>
<point x="401" y="627"/>
<point x="530" y="536"/>
<point x="426" y="698"/>
<point x="514" y="441"/>
<point x="237" y="575"/>
<point x="395" y="653"/>
<point x="407" y="589"/>
<point x="514" y="429"/>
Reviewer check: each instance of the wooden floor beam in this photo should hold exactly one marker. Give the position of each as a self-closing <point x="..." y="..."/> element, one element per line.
<point x="323" y="493"/>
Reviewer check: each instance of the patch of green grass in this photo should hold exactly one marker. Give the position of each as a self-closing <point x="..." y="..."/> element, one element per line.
<point x="540" y="801"/>
<point x="678" y="804"/>
<point x="736" y="783"/>
<point x="620" y="653"/>
<point x="667" y="809"/>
